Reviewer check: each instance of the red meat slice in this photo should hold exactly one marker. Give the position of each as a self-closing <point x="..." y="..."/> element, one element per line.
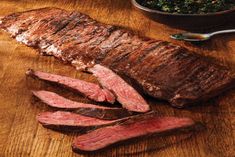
<point x="90" y="90"/>
<point x="110" y="135"/>
<point x="101" y="112"/>
<point x="126" y="94"/>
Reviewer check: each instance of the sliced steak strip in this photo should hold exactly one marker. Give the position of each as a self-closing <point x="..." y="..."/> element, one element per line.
<point x="90" y="110"/>
<point x="133" y="128"/>
<point x="126" y="95"/>
<point x="68" y="121"/>
<point x="90" y="90"/>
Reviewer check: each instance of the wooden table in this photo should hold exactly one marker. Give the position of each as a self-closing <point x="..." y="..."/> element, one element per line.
<point x="20" y="133"/>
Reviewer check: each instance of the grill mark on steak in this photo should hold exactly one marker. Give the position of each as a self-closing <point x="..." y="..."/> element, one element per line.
<point x="104" y="47"/>
<point x="126" y="94"/>
<point x="137" y="58"/>
<point x="89" y="47"/>
<point x="103" y="36"/>
<point x="172" y="59"/>
<point x="15" y="18"/>
<point x="145" y="67"/>
<point x="125" y="38"/>
<point x="79" y="50"/>
<point x="26" y="20"/>
<point x="90" y="110"/>
<point x="22" y="28"/>
<point x="54" y="39"/>
<point x="166" y="67"/>
<point x="209" y="81"/>
<point x="162" y="66"/>
<point x="122" y="64"/>
<point x="88" y="89"/>
<point x="144" y="125"/>
<point x="54" y="47"/>
<point x="71" y="49"/>
<point x="74" y="25"/>
<point x="96" y="54"/>
<point x="8" y="20"/>
<point x="66" y="22"/>
<point x="45" y="28"/>
<point x="145" y="61"/>
<point x="130" y="45"/>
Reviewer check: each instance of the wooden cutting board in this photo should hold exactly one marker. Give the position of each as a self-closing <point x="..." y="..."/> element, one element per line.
<point x="21" y="135"/>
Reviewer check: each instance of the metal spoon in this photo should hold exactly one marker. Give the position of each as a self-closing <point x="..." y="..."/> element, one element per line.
<point x="187" y="36"/>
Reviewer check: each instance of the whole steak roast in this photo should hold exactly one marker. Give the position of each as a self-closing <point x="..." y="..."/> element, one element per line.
<point x="161" y="69"/>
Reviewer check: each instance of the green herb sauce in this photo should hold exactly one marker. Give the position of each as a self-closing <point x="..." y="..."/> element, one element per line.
<point x="189" y="6"/>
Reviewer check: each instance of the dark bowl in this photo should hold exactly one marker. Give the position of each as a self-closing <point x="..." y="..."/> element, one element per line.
<point x="187" y="21"/>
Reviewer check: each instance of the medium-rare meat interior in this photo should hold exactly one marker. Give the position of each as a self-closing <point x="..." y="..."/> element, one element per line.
<point x="90" y="110"/>
<point x="126" y="94"/>
<point x="68" y="121"/>
<point x="132" y="128"/>
<point x="90" y="90"/>
<point x="81" y="117"/>
<point x="163" y="70"/>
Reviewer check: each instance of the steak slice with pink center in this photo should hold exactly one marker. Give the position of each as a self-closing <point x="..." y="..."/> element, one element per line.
<point x="126" y="94"/>
<point x="90" y="110"/>
<point x="133" y="128"/>
<point x="68" y="121"/>
<point x="88" y="89"/>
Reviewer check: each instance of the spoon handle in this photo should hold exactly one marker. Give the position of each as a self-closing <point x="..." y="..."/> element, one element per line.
<point x="223" y="31"/>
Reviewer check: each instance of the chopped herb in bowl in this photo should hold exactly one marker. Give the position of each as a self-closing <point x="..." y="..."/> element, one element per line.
<point x="189" y="6"/>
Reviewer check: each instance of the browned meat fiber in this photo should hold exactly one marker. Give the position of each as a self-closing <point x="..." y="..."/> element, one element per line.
<point x="133" y="128"/>
<point x="162" y="70"/>
<point x="68" y="121"/>
<point x="90" y="90"/>
<point x="90" y="110"/>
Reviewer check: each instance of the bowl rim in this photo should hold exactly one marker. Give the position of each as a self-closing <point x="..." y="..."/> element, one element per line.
<point x="139" y="6"/>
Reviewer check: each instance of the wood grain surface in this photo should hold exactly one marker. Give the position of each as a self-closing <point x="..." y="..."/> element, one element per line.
<point x="20" y="133"/>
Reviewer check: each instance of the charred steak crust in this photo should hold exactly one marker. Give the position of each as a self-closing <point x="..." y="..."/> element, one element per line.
<point x="162" y="70"/>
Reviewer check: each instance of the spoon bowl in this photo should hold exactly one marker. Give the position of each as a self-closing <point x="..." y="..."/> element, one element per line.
<point x="195" y="37"/>
<point x="191" y="36"/>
